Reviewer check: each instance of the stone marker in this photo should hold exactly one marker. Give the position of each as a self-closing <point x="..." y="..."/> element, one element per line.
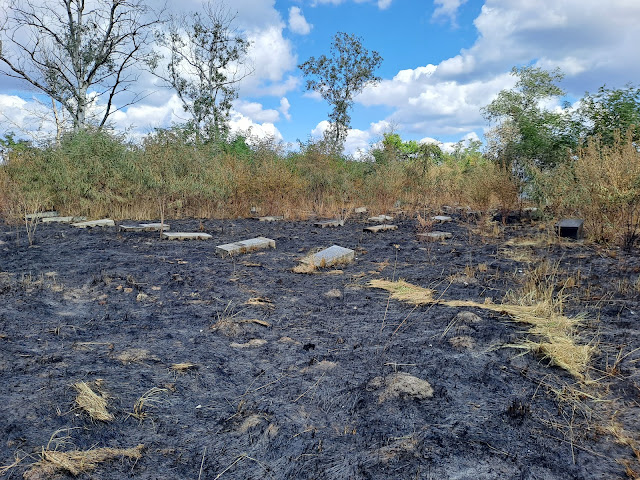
<point x="105" y="222"/>
<point x="63" y="219"/>
<point x="434" y="236"/>
<point x="130" y="228"/>
<point x="330" y="256"/>
<point x="441" y="218"/>
<point x="155" y="227"/>
<point x="329" y="223"/>
<point x="271" y="218"/>
<point x="380" y="228"/>
<point x="570" y="228"/>
<point x="360" y="210"/>
<point x="381" y="218"/>
<point x="186" y="236"/>
<point x="39" y="215"/>
<point x="245" y="246"/>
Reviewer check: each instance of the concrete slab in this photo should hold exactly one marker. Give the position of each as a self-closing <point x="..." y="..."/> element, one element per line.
<point x="39" y="215"/>
<point x="434" y="236"/>
<point x="329" y="223"/>
<point x="381" y="218"/>
<point x="271" y="218"/>
<point x="105" y="222"/>
<point x="155" y="227"/>
<point x="359" y="210"/>
<point x="186" y="236"/>
<point x="130" y="228"/>
<point x="334" y="255"/>
<point x="442" y="218"/>
<point x="570" y="228"/>
<point x="63" y="219"/>
<point x="245" y="246"/>
<point x="380" y="228"/>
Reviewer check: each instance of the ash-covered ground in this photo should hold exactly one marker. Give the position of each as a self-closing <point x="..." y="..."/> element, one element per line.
<point x="311" y="376"/>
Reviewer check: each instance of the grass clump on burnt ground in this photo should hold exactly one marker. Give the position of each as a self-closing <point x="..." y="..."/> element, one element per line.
<point x="240" y="368"/>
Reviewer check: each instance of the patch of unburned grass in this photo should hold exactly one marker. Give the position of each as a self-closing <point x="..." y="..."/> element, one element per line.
<point x="75" y="462"/>
<point x="93" y="404"/>
<point x="557" y="335"/>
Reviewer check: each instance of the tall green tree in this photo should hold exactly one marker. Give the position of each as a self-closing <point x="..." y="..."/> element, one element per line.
<point x="78" y="52"/>
<point x="339" y="77"/>
<point x="609" y="110"/>
<point x="207" y="59"/>
<point x="527" y="132"/>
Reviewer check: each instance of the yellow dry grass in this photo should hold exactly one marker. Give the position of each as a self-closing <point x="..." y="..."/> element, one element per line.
<point x="93" y="404"/>
<point x="558" y="341"/>
<point x="76" y="462"/>
<point x="148" y="399"/>
<point x="183" y="367"/>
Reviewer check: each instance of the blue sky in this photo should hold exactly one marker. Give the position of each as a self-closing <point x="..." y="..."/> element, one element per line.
<point x="443" y="61"/>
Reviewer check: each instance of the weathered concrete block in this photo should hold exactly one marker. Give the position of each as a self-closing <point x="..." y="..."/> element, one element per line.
<point x="39" y="215"/>
<point x="63" y="219"/>
<point x="334" y="255"/>
<point x="186" y="236"/>
<point x="329" y="223"/>
<point x="381" y="218"/>
<point x="155" y="227"/>
<point x="434" y="236"/>
<point x="271" y="218"/>
<point x="380" y="228"/>
<point x="105" y="222"/>
<point x="442" y="219"/>
<point x="245" y="246"/>
<point x="570" y="228"/>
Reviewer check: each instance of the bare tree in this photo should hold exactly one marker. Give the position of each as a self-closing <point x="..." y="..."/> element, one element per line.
<point x="78" y="52"/>
<point x="207" y="58"/>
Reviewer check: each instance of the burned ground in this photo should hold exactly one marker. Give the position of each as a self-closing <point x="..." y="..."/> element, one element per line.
<point x="253" y="371"/>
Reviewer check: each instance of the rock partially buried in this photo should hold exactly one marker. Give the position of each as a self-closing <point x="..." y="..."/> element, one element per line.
<point x="186" y="236"/>
<point x="63" y="219"/>
<point x="380" y="228"/>
<point x="442" y="218"/>
<point x="105" y="222"/>
<point x="401" y="385"/>
<point x="434" y="236"/>
<point x="245" y="246"/>
<point x="381" y="218"/>
<point x="334" y="255"/>
<point x="329" y="223"/>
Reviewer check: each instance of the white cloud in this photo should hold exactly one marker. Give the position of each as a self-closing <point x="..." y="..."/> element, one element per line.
<point x="284" y="108"/>
<point x="382" y="4"/>
<point x="260" y="131"/>
<point x="297" y="23"/>
<point x="448" y="9"/>
<point x="256" y="112"/>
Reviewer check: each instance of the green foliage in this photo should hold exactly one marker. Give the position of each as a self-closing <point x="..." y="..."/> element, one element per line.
<point x="205" y="58"/>
<point x="340" y="77"/>
<point x="527" y="133"/>
<point x="610" y="110"/>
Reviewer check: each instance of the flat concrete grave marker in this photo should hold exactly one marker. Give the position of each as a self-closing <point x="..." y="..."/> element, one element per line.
<point x="40" y="215"/>
<point x="570" y="228"/>
<point x="271" y="218"/>
<point x="381" y="219"/>
<point x="105" y="222"/>
<point x="328" y="257"/>
<point x="329" y="223"/>
<point x="441" y="218"/>
<point x="380" y="228"/>
<point x="63" y="219"/>
<point x="155" y="227"/>
<point x="434" y="236"/>
<point x="245" y="246"/>
<point x="186" y="236"/>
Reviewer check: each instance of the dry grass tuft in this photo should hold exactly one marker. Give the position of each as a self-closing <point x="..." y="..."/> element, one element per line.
<point x="93" y="404"/>
<point x="558" y="342"/>
<point x="76" y="462"/>
<point x="304" y="268"/>
<point x="183" y="367"/>
<point x="148" y="399"/>
<point x="403" y="291"/>
<point x="134" y="355"/>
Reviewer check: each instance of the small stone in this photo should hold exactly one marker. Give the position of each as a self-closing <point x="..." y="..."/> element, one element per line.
<point x="441" y="219"/>
<point x="434" y="236"/>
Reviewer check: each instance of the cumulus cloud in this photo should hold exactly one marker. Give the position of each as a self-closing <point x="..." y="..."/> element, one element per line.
<point x="382" y="4"/>
<point x="256" y="112"/>
<point x="297" y="23"/>
<point x="284" y="108"/>
<point x="240" y="124"/>
<point x="447" y="9"/>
